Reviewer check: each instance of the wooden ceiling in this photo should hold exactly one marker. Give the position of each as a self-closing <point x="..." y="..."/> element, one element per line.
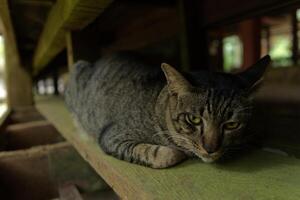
<point x="28" y="17"/>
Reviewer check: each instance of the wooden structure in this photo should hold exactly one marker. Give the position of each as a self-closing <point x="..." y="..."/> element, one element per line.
<point x="43" y="38"/>
<point x="190" y="180"/>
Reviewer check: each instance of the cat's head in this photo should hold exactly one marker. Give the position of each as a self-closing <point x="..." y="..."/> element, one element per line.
<point x="206" y="119"/>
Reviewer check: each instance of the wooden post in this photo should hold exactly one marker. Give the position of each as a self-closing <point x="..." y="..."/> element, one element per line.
<point x="82" y="45"/>
<point x="55" y="81"/>
<point x="69" y="50"/>
<point x="194" y="46"/>
<point x="295" y="46"/>
<point x="250" y="35"/>
<point x="18" y="80"/>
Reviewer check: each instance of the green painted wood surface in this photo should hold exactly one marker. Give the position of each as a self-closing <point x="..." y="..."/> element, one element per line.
<point x="258" y="175"/>
<point x="64" y="16"/>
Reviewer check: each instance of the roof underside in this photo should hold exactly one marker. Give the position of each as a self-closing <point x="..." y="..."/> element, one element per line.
<point x="28" y="17"/>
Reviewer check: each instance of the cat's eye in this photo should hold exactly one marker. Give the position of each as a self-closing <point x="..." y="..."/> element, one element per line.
<point x="192" y="119"/>
<point x="231" y="125"/>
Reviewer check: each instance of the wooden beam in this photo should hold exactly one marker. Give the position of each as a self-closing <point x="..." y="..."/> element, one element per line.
<point x="250" y="176"/>
<point x="65" y="15"/>
<point x="18" y="80"/>
<point x="27" y="135"/>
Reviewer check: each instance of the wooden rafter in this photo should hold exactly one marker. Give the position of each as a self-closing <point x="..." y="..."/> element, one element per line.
<point x="64" y="16"/>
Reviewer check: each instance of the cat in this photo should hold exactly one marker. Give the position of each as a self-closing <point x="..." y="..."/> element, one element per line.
<point x="158" y="117"/>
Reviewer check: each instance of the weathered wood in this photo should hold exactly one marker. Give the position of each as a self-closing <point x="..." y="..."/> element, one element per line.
<point x="25" y="174"/>
<point x="18" y="81"/>
<point x="69" y="45"/>
<point x="25" y="114"/>
<point x="65" y="15"/>
<point x="133" y="26"/>
<point x="26" y="135"/>
<point x="35" y="173"/>
<point x="257" y="175"/>
<point x="78" y="172"/>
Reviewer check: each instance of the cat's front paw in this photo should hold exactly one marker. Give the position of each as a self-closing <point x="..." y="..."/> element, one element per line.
<point x="167" y="157"/>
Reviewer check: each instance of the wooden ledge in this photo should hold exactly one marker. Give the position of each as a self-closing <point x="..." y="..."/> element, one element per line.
<point x="258" y="175"/>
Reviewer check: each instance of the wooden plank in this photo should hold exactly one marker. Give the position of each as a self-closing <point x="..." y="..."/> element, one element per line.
<point x="133" y="26"/>
<point x="65" y="15"/>
<point x="18" y="81"/>
<point x="25" y="114"/>
<point x="29" y="134"/>
<point x="258" y="175"/>
<point x="25" y="173"/>
<point x="78" y="172"/>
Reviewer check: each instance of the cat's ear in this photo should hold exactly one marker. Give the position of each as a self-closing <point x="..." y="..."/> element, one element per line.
<point x="253" y="76"/>
<point x="176" y="82"/>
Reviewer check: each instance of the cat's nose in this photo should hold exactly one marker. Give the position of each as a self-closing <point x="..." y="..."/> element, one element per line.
<point x="210" y="148"/>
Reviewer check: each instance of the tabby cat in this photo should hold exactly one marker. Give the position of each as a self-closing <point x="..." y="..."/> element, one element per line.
<point x="145" y="115"/>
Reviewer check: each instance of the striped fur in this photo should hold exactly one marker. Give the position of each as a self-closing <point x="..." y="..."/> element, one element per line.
<point x="138" y="116"/>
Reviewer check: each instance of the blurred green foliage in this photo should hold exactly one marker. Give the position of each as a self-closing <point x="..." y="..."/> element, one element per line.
<point x="281" y="50"/>
<point x="232" y="53"/>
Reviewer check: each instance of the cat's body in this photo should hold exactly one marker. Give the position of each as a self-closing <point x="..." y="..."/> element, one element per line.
<point x="126" y="105"/>
<point x="115" y="102"/>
